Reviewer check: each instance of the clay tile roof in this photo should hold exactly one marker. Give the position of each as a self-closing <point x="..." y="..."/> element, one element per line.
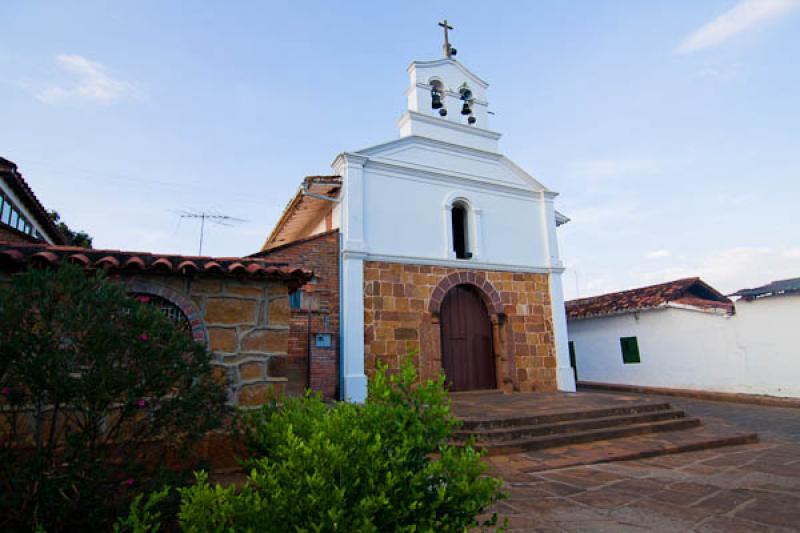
<point x="188" y="266"/>
<point x="108" y="261"/>
<point x="691" y="292"/>
<point x="162" y="263"/>
<point x="20" y="255"/>
<point x="79" y="259"/>
<point x="135" y="262"/>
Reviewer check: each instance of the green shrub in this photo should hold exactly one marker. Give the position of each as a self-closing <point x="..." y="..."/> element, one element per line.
<point x="382" y="466"/>
<point x="95" y="389"/>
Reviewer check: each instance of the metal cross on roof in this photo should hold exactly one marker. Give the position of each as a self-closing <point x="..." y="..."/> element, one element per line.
<point x="447" y="48"/>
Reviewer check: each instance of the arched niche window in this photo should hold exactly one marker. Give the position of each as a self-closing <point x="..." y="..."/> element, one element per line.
<point x="167" y="308"/>
<point x="459" y="215"/>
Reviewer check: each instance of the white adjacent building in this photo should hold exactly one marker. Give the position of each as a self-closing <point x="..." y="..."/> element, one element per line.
<point x="686" y="335"/>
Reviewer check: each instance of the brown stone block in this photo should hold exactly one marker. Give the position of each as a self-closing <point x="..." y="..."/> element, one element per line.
<point x="207" y="286"/>
<point x="378" y="347"/>
<point x="266" y="341"/>
<point x="279" y="312"/>
<point x="371" y="274"/>
<point x="219" y="374"/>
<point x="259" y="393"/>
<point x="402" y="304"/>
<point x="389" y="276"/>
<point x="405" y="333"/>
<point x="244" y="290"/>
<point x="416" y="304"/>
<point x="230" y="311"/>
<point x="222" y="339"/>
<point x="251" y="370"/>
<point x="522" y="374"/>
<point x="542" y="350"/>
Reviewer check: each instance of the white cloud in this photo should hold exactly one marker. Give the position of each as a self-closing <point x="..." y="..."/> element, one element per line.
<point x="744" y="16"/>
<point x="91" y="83"/>
<point x="658" y="254"/>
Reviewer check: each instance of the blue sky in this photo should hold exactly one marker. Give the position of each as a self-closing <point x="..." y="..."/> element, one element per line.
<point x="670" y="128"/>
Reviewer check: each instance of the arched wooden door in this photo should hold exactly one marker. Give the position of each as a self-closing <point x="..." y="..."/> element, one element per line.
<point x="467" y="355"/>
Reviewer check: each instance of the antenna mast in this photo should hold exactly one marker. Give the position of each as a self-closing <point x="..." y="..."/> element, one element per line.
<point x="216" y="218"/>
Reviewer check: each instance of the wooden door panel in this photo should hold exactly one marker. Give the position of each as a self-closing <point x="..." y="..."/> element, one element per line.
<point x="466" y="332"/>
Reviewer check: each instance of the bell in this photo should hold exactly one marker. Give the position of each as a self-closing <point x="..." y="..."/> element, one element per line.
<point x="443" y="112"/>
<point x="465" y="110"/>
<point x="436" y="98"/>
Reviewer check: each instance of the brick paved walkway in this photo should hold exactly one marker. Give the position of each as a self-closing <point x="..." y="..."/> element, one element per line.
<point x="742" y="488"/>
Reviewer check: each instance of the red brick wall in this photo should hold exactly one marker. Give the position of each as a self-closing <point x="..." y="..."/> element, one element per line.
<point x="320" y="254"/>
<point x="398" y="320"/>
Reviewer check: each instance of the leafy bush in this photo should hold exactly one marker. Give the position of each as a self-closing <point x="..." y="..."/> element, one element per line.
<point x="97" y="392"/>
<point x="382" y="466"/>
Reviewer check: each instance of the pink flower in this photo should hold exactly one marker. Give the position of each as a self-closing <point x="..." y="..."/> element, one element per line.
<point x="143" y="337"/>
<point x="140" y="403"/>
<point x="129" y="482"/>
<point x="5" y="391"/>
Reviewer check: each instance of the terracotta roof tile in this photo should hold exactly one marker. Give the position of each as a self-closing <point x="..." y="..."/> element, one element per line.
<point x="688" y="291"/>
<point x="19" y="255"/>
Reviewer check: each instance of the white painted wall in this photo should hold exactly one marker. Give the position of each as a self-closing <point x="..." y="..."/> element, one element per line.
<point x="755" y="351"/>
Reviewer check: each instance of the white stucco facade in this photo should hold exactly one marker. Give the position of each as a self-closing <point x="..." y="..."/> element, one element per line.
<point x="397" y="197"/>
<point x="754" y="351"/>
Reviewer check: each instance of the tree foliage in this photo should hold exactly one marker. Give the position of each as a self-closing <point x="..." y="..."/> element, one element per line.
<point x="97" y="392"/>
<point x="74" y="238"/>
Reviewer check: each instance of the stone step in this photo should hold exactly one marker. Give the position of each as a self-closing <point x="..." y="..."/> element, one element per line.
<point x="486" y="423"/>
<point x="629" y="449"/>
<point x="578" y="437"/>
<point x="510" y="433"/>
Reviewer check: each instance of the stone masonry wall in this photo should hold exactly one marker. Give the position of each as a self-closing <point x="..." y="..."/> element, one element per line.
<point x="319" y="253"/>
<point x="245" y="322"/>
<point x="398" y="320"/>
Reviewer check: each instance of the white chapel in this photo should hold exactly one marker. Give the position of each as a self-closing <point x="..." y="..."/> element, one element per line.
<point x="448" y="250"/>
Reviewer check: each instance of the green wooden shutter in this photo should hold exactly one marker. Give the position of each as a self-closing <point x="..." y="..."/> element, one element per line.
<point x="572" y="362"/>
<point x="630" y="350"/>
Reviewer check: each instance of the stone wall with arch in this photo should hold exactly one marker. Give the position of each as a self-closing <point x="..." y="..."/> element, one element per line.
<point x="401" y="318"/>
<point x="244" y="322"/>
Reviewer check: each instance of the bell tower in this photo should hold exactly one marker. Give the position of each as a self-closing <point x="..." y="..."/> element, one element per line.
<point x="448" y="102"/>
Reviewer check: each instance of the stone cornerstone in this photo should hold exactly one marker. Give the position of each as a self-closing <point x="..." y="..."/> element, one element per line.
<point x="401" y="316"/>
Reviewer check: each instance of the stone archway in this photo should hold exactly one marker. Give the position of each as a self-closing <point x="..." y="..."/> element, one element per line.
<point x="486" y="290"/>
<point x="193" y="315"/>
<point x="504" y="366"/>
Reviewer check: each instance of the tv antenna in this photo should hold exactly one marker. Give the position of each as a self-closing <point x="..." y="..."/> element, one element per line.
<point x="212" y="217"/>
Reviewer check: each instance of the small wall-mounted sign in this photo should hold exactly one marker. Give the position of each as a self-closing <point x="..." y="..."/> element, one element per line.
<point x="323" y="340"/>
